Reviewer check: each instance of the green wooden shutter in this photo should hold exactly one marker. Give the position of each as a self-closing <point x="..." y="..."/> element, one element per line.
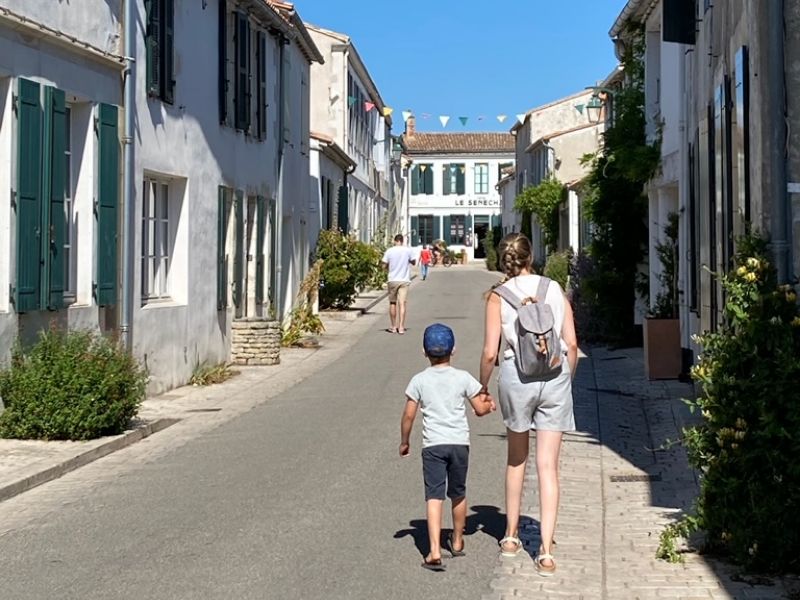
<point x="446" y="233"/>
<point x="238" y="257"/>
<point x="242" y="69"/>
<point x="168" y="50"/>
<point x="53" y="180"/>
<point x="429" y="180"/>
<point x="446" y="179"/>
<point x="222" y="50"/>
<point x="29" y="198"/>
<point x="468" y="224"/>
<point x="415" y="180"/>
<point x="261" y="77"/>
<point x="107" y="204"/>
<point x="437" y="227"/>
<point x="343" y="212"/>
<point x="415" y="231"/>
<point x="460" y="180"/>
<point x="153" y="46"/>
<point x="496" y="221"/>
<point x="261" y="232"/>
<point x="222" y="250"/>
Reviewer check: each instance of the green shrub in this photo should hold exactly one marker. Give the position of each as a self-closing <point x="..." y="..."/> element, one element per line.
<point x="490" y="244"/>
<point x="558" y="266"/>
<point x="205" y="374"/>
<point x="543" y="200"/>
<point x="70" y="386"/>
<point x="746" y="446"/>
<point x="348" y="267"/>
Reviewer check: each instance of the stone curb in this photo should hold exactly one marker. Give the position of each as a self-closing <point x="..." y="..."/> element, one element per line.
<point x="71" y="464"/>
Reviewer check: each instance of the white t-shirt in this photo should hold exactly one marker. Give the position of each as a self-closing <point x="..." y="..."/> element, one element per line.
<point x="399" y="260"/>
<point x="524" y="286"/>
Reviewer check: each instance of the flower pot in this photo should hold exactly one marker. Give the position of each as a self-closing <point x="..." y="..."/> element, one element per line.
<point x="662" y="348"/>
<point x="464" y="258"/>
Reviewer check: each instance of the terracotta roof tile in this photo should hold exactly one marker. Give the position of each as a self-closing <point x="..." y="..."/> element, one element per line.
<point x="459" y="143"/>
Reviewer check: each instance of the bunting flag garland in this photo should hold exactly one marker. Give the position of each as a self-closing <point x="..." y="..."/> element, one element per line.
<point x="407" y="114"/>
<point x="368" y="106"/>
<point x="387" y="112"/>
<point x="502" y="118"/>
<point x="463" y="169"/>
<point x="521" y="118"/>
<point x="351" y="100"/>
<point x="423" y="168"/>
<point x="444" y="119"/>
<point x="580" y="107"/>
<point x="463" y="120"/>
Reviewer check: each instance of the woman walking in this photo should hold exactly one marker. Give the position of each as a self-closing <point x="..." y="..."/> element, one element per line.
<point x="530" y="402"/>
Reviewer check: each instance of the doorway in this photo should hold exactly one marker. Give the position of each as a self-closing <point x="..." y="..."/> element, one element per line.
<point x="481" y="231"/>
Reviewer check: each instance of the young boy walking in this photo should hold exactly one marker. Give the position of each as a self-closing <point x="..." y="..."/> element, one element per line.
<point x="442" y="392"/>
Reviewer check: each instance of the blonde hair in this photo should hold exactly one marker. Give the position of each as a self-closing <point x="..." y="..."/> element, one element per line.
<point x="515" y="254"/>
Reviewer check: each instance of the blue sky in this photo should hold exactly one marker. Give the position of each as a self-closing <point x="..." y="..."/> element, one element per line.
<point x="470" y="58"/>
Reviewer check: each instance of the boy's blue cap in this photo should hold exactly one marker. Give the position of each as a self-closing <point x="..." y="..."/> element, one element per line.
<point x="438" y="340"/>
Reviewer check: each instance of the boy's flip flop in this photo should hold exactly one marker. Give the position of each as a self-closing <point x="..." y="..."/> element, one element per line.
<point x="434" y="564"/>
<point x="453" y="552"/>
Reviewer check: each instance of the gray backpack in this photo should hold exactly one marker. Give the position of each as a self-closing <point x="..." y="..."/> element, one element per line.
<point x="538" y="349"/>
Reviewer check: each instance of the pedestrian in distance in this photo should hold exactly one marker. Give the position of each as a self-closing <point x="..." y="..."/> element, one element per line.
<point x="441" y="393"/>
<point x="425" y="258"/>
<point x="398" y="261"/>
<point x="529" y="398"/>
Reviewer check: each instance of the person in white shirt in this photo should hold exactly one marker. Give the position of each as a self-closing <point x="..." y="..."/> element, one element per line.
<point x="398" y="260"/>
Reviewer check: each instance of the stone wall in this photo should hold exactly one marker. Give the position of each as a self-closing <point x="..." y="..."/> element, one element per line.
<point x="256" y="342"/>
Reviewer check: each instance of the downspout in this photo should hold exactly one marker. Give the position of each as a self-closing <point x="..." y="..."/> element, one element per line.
<point x="129" y="164"/>
<point x="779" y="207"/>
<point x="282" y="41"/>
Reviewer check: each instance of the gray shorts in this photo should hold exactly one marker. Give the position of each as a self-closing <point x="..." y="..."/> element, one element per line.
<point x="541" y="405"/>
<point x="444" y="467"/>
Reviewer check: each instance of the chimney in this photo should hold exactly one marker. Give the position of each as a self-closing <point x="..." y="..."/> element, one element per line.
<point x="411" y="126"/>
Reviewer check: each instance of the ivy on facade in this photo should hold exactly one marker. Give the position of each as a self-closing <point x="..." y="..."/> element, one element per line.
<point x="543" y="201"/>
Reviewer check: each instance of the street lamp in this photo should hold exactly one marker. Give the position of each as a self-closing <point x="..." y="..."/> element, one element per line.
<point x="594" y="109"/>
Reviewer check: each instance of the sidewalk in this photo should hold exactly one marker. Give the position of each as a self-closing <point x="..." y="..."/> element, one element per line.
<point x="187" y="411"/>
<point x="618" y="491"/>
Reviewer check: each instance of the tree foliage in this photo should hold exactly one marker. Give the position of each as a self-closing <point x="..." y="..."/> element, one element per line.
<point x="543" y="201"/>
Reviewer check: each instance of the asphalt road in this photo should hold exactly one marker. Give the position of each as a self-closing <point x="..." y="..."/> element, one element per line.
<point x="302" y="497"/>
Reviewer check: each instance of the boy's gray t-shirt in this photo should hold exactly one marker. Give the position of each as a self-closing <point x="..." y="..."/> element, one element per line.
<point x="442" y="394"/>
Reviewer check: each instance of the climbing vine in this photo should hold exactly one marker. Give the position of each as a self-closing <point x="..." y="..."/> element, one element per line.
<point x="616" y="202"/>
<point x="543" y="201"/>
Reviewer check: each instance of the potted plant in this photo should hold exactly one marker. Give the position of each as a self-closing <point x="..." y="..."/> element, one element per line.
<point x="662" y="329"/>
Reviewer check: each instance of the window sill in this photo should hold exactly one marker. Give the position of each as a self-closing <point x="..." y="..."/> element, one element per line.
<point x="154" y="303"/>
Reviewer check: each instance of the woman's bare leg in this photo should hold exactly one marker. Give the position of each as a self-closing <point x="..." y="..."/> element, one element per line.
<point x="548" y="448"/>
<point x="515" y="477"/>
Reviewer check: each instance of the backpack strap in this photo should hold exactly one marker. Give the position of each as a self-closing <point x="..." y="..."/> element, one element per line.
<point x="541" y="291"/>
<point x="509" y="296"/>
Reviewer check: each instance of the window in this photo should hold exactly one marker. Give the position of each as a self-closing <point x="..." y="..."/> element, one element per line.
<point x="69" y="212"/>
<point x="422" y="179"/>
<point x="482" y="178"/>
<point x="159" y="45"/>
<point x="155" y="240"/>
<point x="741" y="134"/>
<point x="425" y="232"/>
<point x="457" y="229"/>
<point x="453" y="179"/>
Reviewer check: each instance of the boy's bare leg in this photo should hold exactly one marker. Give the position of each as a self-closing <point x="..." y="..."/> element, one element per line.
<point x="435" y="528"/>
<point x="459" y="522"/>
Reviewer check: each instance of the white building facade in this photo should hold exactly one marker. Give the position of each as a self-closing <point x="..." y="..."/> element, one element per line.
<point x="452" y="184"/>
<point x="217" y="181"/>
<point x="347" y="108"/>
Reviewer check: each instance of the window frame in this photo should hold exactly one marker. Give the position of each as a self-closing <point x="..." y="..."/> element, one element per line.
<point x="425" y="225"/>
<point x="155" y="267"/>
<point x="458" y="223"/>
<point x="481" y="183"/>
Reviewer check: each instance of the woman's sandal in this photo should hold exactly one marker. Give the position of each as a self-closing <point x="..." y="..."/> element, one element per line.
<point x="545" y="570"/>
<point x="510" y="539"/>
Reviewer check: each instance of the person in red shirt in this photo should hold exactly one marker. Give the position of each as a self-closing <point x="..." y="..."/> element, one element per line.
<point x="425" y="258"/>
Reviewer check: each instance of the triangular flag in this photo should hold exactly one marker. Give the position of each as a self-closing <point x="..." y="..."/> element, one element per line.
<point x="407" y="114"/>
<point x="351" y="100"/>
<point x="369" y="106"/>
<point x="423" y="168"/>
<point x="463" y="168"/>
<point x="481" y="118"/>
<point x="580" y="107"/>
<point x="444" y="119"/>
<point x="387" y="111"/>
<point x="502" y="118"/>
<point x="463" y="120"/>
<point x="453" y="168"/>
<point x="521" y="118"/>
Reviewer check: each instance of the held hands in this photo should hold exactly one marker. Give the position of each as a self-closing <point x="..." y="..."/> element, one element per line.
<point x="486" y="404"/>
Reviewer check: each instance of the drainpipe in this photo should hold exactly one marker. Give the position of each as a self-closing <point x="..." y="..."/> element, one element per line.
<point x="777" y="140"/>
<point x="128" y="186"/>
<point x="282" y="42"/>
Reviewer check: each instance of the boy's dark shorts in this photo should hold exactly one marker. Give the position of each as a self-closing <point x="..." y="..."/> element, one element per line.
<point x="445" y="466"/>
